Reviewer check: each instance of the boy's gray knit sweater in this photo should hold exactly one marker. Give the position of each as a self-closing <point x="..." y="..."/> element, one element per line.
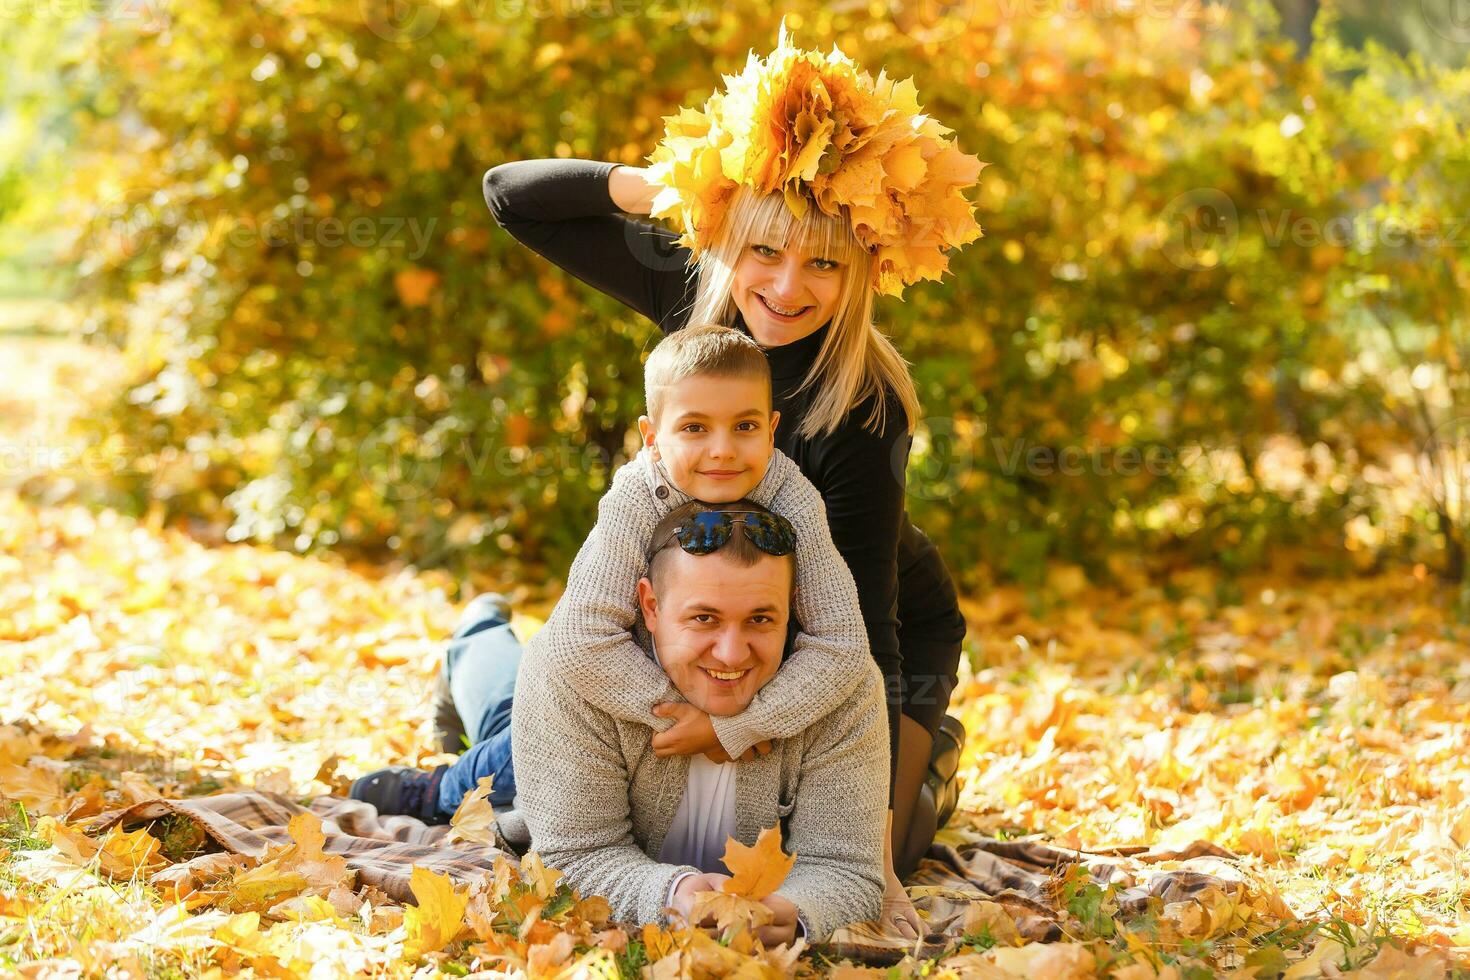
<point x="590" y="638"/>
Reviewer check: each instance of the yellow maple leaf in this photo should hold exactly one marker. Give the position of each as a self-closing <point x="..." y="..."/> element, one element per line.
<point x="732" y="913"/>
<point x="262" y="887"/>
<point x="474" y="818"/>
<point x="36" y="789"/>
<point x="118" y="855"/>
<point x="545" y="958"/>
<point x="756" y="872"/>
<point x="1393" y="963"/>
<point x="541" y="878"/>
<point x="17" y="746"/>
<point x="991" y="919"/>
<point x="137" y="789"/>
<point x="438" y="918"/>
<point x="306" y="858"/>
<point x="658" y="942"/>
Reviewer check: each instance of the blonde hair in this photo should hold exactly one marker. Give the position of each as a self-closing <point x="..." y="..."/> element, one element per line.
<point x="706" y="349"/>
<point x="856" y="361"/>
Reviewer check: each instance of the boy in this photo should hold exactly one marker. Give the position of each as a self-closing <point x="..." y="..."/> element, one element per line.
<point x="709" y="435"/>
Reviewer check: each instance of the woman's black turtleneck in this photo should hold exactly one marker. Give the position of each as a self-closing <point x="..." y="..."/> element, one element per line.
<point x="562" y="210"/>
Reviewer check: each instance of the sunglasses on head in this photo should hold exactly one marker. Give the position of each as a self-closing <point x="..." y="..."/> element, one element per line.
<point x="710" y="530"/>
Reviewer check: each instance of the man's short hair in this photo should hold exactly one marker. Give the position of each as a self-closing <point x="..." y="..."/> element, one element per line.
<point x="739" y="549"/>
<point x="707" y="350"/>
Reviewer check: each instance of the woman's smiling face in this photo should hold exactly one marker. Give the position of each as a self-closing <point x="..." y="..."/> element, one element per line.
<point x="785" y="293"/>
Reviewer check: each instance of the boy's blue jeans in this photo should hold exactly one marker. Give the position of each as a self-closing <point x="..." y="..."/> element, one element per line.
<point x="481" y="660"/>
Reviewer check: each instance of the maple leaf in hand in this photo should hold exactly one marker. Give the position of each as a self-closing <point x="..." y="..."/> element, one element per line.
<point x="756" y="872"/>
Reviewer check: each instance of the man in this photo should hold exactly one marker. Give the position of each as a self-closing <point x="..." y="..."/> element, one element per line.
<point x="648" y="831"/>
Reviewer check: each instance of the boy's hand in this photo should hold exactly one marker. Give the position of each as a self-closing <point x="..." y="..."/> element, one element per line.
<point x="693" y="733"/>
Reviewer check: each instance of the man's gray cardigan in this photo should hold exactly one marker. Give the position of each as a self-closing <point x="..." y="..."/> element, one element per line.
<point x="598" y="802"/>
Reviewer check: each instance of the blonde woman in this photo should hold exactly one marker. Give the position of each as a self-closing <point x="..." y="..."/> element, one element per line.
<point x="803" y="287"/>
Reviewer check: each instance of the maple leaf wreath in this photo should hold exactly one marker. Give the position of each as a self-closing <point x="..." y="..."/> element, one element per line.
<point x="823" y="133"/>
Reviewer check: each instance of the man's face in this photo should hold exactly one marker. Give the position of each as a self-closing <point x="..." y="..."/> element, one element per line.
<point x="718" y="628"/>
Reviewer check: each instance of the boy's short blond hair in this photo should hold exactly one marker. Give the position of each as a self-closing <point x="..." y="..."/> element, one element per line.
<point x="706" y="349"/>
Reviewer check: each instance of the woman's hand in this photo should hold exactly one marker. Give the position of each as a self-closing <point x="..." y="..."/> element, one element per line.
<point x="631" y="190"/>
<point x="899" y="915"/>
<point x="694" y="733"/>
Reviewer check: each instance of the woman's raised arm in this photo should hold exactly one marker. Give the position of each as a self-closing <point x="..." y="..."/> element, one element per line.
<point x="568" y="211"/>
<point x="631" y="190"/>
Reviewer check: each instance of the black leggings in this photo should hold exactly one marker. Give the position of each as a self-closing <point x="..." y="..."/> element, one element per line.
<point x="931" y="631"/>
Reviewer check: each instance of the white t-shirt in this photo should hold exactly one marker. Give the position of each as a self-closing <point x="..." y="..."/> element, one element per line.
<point x="705" y="819"/>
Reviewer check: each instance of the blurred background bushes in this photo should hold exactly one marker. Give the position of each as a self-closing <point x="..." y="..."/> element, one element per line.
<point x="1219" y="313"/>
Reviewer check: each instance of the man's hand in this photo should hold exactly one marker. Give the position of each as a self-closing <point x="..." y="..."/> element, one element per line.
<point x="691" y="886"/>
<point x="782" y="928"/>
<point x="694" y="733"/>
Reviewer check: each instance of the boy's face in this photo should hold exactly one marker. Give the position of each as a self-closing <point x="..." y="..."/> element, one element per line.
<point x="714" y="435"/>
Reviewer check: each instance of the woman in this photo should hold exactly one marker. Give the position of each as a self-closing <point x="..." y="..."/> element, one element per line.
<point x="834" y="188"/>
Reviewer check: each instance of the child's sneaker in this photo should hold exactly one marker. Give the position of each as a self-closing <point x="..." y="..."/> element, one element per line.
<point x="402" y="790"/>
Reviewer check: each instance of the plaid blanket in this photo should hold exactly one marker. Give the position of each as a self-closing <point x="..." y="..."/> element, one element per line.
<point x="382" y="850"/>
<point x="1018" y="875"/>
<point x="1021" y="876"/>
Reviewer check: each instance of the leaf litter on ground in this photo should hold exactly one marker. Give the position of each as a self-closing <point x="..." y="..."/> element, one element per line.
<point x="1315" y="728"/>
